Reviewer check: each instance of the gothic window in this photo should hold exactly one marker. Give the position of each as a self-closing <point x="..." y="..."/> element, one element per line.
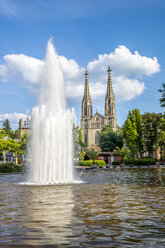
<point x="97" y="137"/>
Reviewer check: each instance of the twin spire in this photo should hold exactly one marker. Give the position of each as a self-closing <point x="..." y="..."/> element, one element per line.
<point x="109" y="93"/>
<point x="109" y="98"/>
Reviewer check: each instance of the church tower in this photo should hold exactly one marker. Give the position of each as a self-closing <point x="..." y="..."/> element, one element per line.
<point x="110" y="108"/>
<point x="86" y="112"/>
<point x="86" y="102"/>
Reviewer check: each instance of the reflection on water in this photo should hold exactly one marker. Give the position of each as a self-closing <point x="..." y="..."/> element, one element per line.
<point x="112" y="209"/>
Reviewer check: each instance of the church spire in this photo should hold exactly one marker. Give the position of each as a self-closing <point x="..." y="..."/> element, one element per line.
<point x="86" y="102"/>
<point x="110" y="108"/>
<point x="86" y="88"/>
<point x="109" y="84"/>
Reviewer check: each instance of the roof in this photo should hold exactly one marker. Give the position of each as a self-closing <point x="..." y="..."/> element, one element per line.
<point x="97" y="114"/>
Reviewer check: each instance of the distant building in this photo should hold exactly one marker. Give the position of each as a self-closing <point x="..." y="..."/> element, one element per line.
<point x="92" y="125"/>
<point x="24" y="126"/>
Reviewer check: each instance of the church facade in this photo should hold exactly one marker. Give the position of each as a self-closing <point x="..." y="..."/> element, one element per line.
<point x="91" y="125"/>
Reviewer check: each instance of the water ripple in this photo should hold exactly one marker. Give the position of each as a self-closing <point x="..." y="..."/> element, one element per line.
<point x="113" y="209"/>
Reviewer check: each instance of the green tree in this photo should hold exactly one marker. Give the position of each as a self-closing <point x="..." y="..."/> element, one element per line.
<point x="11" y="133"/>
<point x="132" y="133"/>
<point x="162" y="99"/>
<point x="151" y="129"/>
<point x="16" y="134"/>
<point x="6" y="126"/>
<point x="161" y="137"/>
<point x="92" y="154"/>
<point x="110" y="139"/>
<point x="23" y="142"/>
<point x="81" y="155"/>
<point x="4" y="144"/>
<point x="122" y="152"/>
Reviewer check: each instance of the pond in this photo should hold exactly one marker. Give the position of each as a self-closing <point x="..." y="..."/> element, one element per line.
<point x="113" y="208"/>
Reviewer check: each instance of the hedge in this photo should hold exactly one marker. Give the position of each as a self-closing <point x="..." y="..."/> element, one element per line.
<point x="90" y="163"/>
<point x="100" y="162"/>
<point x="10" y="168"/>
<point x="141" y="161"/>
<point x="116" y="162"/>
<point x="138" y="162"/>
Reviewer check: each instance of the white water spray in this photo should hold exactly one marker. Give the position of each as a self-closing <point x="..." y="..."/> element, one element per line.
<point x="51" y="143"/>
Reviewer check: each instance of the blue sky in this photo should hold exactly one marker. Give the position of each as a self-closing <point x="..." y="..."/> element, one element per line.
<point x="129" y="35"/>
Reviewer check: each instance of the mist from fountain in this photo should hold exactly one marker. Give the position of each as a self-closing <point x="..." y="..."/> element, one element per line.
<point x="51" y="149"/>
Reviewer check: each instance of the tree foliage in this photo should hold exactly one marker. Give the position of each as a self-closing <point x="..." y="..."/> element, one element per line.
<point x="151" y="130"/>
<point x="132" y="133"/>
<point x="161" y="137"/>
<point x="17" y="147"/>
<point x="122" y="152"/>
<point x="110" y="139"/>
<point x="11" y="133"/>
<point x="92" y="154"/>
<point x="6" y="126"/>
<point x="162" y="99"/>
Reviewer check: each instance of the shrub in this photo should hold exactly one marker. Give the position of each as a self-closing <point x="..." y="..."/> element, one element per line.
<point x="86" y="163"/>
<point x="90" y="163"/>
<point x="141" y="161"/>
<point x="10" y="168"/>
<point x="100" y="162"/>
<point x="129" y="161"/>
<point x="116" y="162"/>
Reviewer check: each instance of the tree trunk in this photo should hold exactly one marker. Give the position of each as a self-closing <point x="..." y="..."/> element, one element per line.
<point x="122" y="163"/>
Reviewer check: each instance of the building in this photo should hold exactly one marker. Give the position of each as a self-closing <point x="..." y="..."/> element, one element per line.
<point x="24" y="126"/>
<point x="92" y="125"/>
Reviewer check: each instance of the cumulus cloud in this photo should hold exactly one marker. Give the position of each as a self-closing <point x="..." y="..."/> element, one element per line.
<point x="3" y="73"/>
<point x="13" y="118"/>
<point x="128" y="70"/>
<point x="125" y="63"/>
<point x="127" y="89"/>
<point x="24" y="68"/>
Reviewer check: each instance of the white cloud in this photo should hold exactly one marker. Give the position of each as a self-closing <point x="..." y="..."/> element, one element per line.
<point x="123" y="62"/>
<point x="126" y="89"/>
<point x="128" y="70"/>
<point x="24" y="68"/>
<point x="3" y="73"/>
<point x="13" y="118"/>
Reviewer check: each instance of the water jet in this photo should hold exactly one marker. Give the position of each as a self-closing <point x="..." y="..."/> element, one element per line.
<point x="51" y="148"/>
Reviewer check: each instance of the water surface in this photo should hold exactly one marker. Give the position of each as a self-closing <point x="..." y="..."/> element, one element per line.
<point x="112" y="209"/>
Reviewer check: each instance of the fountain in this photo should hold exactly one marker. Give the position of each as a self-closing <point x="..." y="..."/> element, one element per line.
<point x="51" y="153"/>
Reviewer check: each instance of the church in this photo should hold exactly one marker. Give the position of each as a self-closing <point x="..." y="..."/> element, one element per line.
<point x="91" y="125"/>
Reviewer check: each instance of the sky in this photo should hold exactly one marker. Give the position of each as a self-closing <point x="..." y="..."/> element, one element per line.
<point x="128" y="35"/>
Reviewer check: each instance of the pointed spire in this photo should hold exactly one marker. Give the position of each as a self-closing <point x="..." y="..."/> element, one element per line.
<point x="86" y="102"/>
<point x="86" y="88"/>
<point x="109" y="84"/>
